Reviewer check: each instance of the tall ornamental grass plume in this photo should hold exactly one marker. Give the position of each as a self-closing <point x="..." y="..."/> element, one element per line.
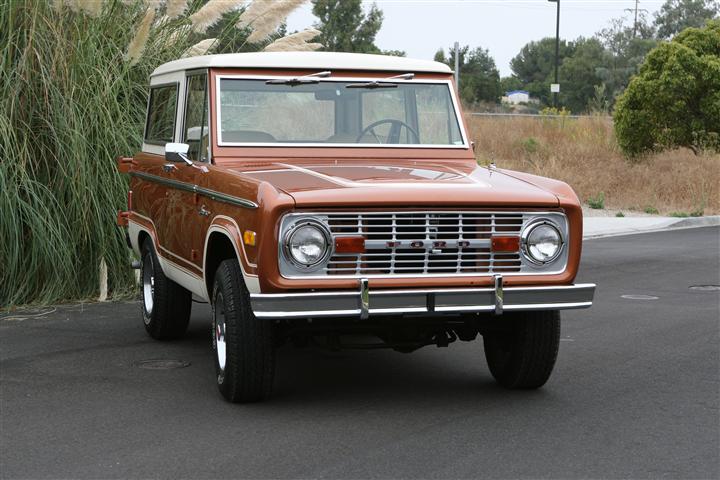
<point x="73" y="90"/>
<point x="265" y="16"/>
<point x="296" y="42"/>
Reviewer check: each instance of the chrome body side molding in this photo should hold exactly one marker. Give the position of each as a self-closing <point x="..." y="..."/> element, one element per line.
<point x="364" y="302"/>
<point x="188" y="187"/>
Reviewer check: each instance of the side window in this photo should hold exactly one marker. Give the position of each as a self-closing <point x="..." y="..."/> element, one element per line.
<point x="160" y="125"/>
<point x="195" y="129"/>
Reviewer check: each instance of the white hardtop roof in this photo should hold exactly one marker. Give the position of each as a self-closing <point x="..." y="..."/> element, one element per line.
<point x="303" y="60"/>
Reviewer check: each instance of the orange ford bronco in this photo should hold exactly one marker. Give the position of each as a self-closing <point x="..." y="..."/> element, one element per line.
<point x="334" y="199"/>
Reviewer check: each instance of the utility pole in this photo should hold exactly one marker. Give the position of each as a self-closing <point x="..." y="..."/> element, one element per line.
<point x="635" y="23"/>
<point x="636" y="10"/>
<point x="555" y="87"/>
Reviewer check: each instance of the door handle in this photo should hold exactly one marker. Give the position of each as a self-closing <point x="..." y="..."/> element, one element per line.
<point x="204" y="211"/>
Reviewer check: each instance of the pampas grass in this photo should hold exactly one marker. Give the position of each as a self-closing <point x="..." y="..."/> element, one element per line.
<point x="297" y="42"/>
<point x="200" y="48"/>
<point x="137" y="44"/>
<point x="175" y="8"/>
<point x="212" y="12"/>
<point x="265" y="16"/>
<point x="154" y="4"/>
<point x="91" y="7"/>
<point x="70" y="103"/>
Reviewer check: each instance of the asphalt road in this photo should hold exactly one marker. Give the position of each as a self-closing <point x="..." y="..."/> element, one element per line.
<point x="635" y="393"/>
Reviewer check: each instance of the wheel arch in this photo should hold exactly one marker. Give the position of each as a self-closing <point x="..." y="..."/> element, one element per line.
<point x="218" y="247"/>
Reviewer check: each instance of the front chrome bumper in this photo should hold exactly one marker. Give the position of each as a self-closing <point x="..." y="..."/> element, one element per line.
<point x="364" y="302"/>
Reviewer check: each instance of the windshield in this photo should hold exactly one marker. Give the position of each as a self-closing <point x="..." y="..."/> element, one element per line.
<point x="332" y="113"/>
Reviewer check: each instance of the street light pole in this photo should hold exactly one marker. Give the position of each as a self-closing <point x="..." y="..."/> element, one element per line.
<point x="557" y="53"/>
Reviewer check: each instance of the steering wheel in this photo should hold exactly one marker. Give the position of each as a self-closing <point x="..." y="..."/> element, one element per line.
<point x="393" y="136"/>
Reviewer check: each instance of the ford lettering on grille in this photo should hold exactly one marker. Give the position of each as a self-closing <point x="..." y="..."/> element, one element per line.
<point x="425" y="243"/>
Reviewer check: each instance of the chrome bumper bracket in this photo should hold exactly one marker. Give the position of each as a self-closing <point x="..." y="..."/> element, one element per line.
<point x="498" y="294"/>
<point x="365" y="302"/>
<point x="364" y="299"/>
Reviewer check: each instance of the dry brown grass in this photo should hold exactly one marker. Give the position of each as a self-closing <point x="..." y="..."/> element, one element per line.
<point x="584" y="153"/>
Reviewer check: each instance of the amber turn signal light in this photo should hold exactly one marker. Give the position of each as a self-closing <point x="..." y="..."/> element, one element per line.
<point x="249" y="238"/>
<point x="505" y="244"/>
<point x="350" y="244"/>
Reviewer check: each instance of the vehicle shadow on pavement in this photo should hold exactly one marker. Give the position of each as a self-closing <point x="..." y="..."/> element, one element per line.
<point x="457" y="374"/>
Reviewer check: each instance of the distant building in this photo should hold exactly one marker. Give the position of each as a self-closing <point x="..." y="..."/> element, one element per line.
<point x="516" y="97"/>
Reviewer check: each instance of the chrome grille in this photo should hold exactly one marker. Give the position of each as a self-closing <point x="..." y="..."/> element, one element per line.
<point x="424" y="243"/>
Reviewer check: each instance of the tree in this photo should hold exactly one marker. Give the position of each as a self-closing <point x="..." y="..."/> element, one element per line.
<point x="479" y="76"/>
<point x="579" y="74"/>
<point x="677" y="15"/>
<point x="346" y="28"/>
<point x="625" y="49"/>
<point x="509" y="84"/>
<point x="675" y="99"/>
<point x="534" y="66"/>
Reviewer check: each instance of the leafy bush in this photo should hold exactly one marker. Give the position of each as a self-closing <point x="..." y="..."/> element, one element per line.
<point x="651" y="210"/>
<point x="597" y="203"/>
<point x="675" y="99"/>
<point x="73" y="89"/>
<point x="530" y="145"/>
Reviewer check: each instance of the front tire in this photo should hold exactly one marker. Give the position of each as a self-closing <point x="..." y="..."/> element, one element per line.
<point x="523" y="355"/>
<point x="165" y="304"/>
<point x="244" y="345"/>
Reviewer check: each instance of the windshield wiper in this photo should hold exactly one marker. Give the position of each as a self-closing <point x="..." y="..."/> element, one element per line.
<point x="383" y="83"/>
<point x="304" y="80"/>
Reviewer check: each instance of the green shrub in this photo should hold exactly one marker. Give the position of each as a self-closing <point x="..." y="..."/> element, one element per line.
<point x="597" y="203"/>
<point x="674" y="101"/>
<point x="620" y="214"/>
<point x="530" y="145"/>
<point x="651" y="210"/>
<point x="678" y="214"/>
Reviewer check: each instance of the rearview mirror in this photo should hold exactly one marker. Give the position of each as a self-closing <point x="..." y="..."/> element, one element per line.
<point x="177" y="152"/>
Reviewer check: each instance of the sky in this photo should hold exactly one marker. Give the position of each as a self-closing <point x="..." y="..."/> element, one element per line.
<point x="421" y="27"/>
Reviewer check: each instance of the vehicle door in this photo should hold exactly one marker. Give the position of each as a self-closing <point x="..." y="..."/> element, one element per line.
<point x="153" y="186"/>
<point x="195" y="212"/>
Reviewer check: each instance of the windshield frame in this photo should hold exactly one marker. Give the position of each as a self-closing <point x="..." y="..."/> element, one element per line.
<point x="465" y="145"/>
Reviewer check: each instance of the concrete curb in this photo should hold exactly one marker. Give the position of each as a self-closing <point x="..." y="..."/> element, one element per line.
<point x="598" y="227"/>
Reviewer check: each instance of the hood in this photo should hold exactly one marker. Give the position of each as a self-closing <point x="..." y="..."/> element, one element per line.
<point x="396" y="182"/>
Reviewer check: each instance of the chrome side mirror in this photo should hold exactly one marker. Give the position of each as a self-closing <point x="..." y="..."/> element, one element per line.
<point x="177" y="152"/>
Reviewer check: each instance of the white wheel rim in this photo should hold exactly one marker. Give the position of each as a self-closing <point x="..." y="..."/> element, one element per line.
<point x="219" y="332"/>
<point x="148" y="287"/>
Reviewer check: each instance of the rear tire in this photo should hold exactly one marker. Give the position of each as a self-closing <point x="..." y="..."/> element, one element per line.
<point x="165" y="304"/>
<point x="523" y="357"/>
<point x="244" y="345"/>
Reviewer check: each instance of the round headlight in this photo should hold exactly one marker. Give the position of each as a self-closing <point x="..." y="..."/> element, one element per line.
<point x="308" y="244"/>
<point x="542" y="243"/>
